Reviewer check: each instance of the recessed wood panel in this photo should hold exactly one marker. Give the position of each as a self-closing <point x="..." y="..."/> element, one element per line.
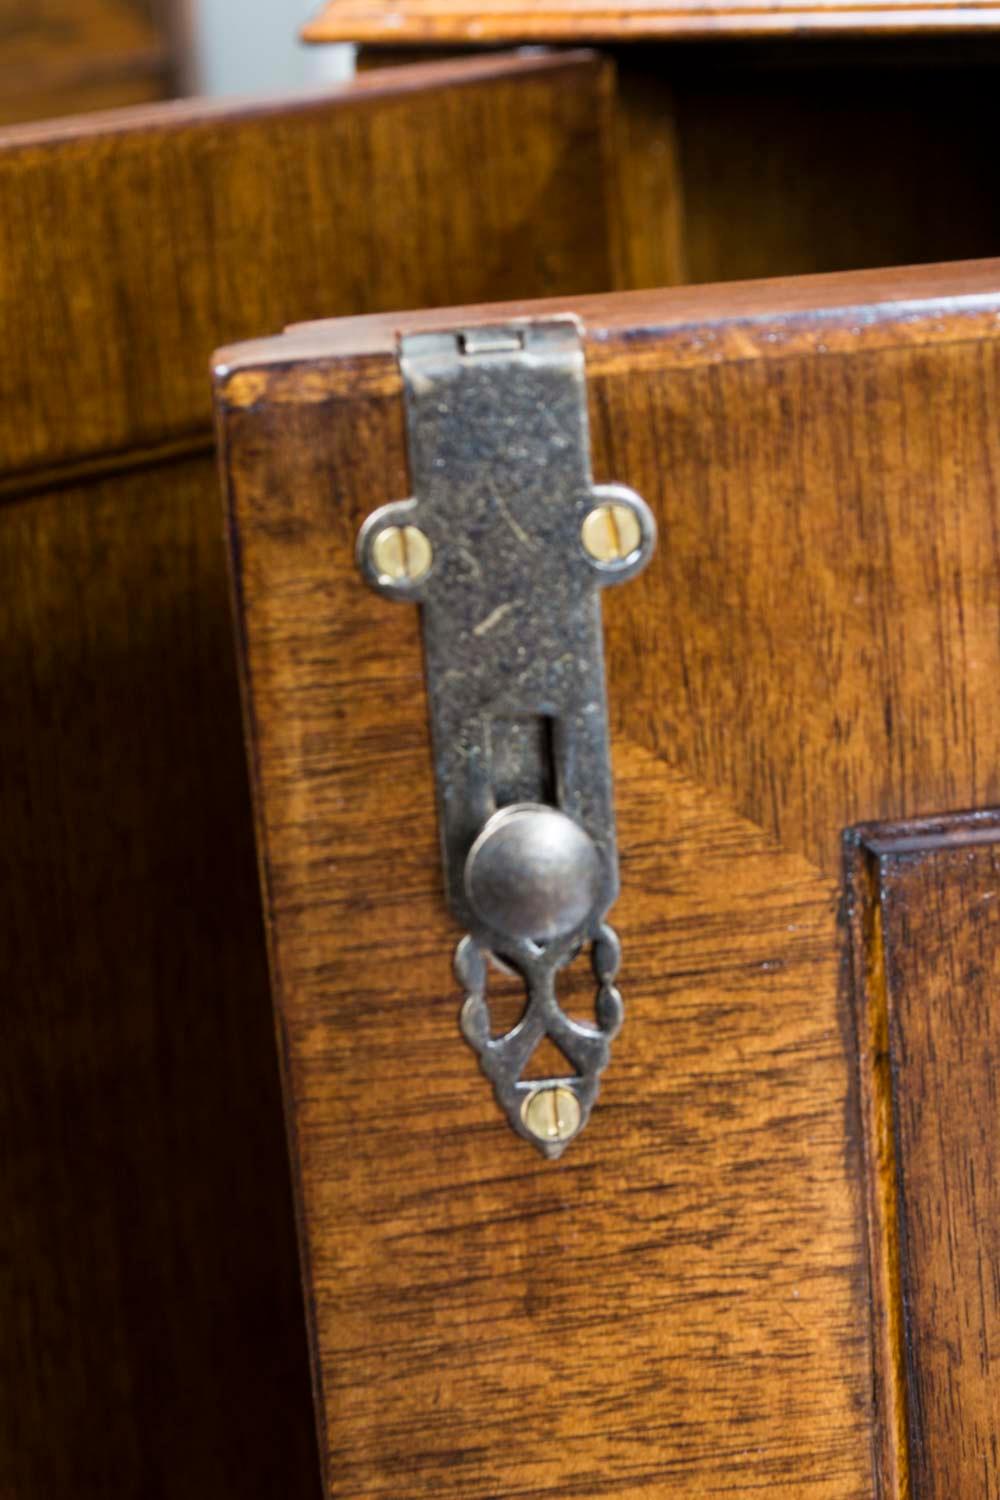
<point x="796" y="158"/>
<point x="927" y="960"/>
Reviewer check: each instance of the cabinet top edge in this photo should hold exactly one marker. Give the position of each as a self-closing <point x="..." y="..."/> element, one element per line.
<point x="834" y="313"/>
<point x="167" y="116"/>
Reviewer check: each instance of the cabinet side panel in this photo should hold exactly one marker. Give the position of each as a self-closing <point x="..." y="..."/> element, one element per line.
<point x="942" y="940"/>
<point x="150" y="1306"/>
<point x="681" y="1307"/>
<point x="157" y="1341"/>
<point x="132" y="246"/>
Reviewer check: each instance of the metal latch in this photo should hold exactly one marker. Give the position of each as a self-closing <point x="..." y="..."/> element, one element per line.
<point x="505" y="545"/>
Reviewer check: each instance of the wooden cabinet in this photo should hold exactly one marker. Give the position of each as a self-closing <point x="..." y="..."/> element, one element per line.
<point x="153" y="1338"/>
<point x="62" y="56"/>
<point x="768" y="1266"/>
<point x="925" y="953"/>
<point x="760" y="139"/>
<point x="785" y="1196"/>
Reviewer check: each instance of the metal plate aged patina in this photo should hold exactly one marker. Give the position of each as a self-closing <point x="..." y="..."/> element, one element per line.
<point x="505" y="545"/>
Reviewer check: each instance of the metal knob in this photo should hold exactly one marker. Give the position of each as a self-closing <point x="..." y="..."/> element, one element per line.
<point x="533" y="874"/>
<point x="515" y="681"/>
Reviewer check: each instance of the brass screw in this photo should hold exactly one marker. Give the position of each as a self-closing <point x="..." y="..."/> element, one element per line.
<point x="401" y="554"/>
<point x="551" y="1113"/>
<point x="611" y="532"/>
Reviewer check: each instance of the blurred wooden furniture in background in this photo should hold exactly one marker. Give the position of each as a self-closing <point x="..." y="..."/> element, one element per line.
<point x="61" y="56"/>
<point x="151" y="1332"/>
<point x="560" y="21"/>
<point x="761" y="139"/>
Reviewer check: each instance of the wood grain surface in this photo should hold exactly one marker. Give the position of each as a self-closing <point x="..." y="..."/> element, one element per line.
<point x="649" y="209"/>
<point x="800" y="157"/>
<point x="150" y="1310"/>
<point x="153" y="1338"/>
<point x="792" y="157"/>
<point x="420" y="21"/>
<point x="682" y="1306"/>
<point x="858" y="405"/>
<point x="231" y="223"/>
<point x="925" y="932"/>
<point x="61" y="56"/>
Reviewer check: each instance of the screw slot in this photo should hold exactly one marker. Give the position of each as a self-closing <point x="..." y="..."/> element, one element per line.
<point x="611" y="533"/>
<point x="551" y="1113"/>
<point x="401" y="554"/>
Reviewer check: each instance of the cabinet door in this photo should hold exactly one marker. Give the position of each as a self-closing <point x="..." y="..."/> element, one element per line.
<point x="153" y="1337"/>
<point x="683" y="1304"/>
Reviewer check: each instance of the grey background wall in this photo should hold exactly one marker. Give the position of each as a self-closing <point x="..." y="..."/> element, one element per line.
<point x="251" y="46"/>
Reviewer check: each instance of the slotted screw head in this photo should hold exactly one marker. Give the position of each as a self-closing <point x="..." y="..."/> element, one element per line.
<point x="551" y="1113"/>
<point x="611" y="532"/>
<point x="401" y="554"/>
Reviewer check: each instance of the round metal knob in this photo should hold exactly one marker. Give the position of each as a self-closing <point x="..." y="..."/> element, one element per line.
<point x="532" y="873"/>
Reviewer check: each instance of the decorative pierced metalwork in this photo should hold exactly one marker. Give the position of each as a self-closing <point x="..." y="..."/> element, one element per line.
<point x="506" y="545"/>
<point x="504" y="1058"/>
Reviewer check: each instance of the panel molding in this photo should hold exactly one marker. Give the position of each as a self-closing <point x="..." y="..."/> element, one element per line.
<point x="874" y="854"/>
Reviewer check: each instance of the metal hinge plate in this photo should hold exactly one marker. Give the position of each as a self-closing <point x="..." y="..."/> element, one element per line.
<point x="505" y="545"/>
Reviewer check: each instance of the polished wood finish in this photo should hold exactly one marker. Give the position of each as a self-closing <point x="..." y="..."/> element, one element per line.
<point x="788" y="157"/>
<point x="59" y="57"/>
<point x="490" y="174"/>
<point x="154" y="1340"/>
<point x="150" y="1307"/>
<point x="799" y="159"/>
<point x="682" y="1305"/>
<point x="505" y="21"/>
<point x="650" y="211"/>
<point x="927" y="965"/>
